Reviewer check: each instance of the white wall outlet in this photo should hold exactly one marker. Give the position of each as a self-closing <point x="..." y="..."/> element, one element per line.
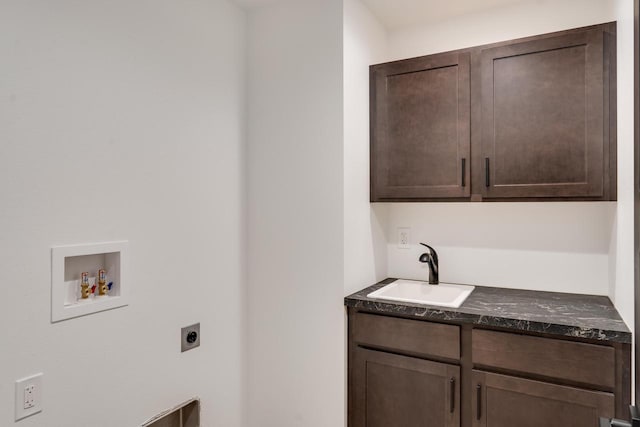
<point x="404" y="237"/>
<point x="28" y="396"/>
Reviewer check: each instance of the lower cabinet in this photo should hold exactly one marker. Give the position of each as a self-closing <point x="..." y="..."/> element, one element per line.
<point x="506" y="401"/>
<point x="415" y="373"/>
<point x="389" y="390"/>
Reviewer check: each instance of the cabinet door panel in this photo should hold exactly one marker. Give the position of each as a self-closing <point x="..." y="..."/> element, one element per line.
<point x="420" y="117"/>
<point x="505" y="401"/>
<point x="399" y="391"/>
<point x="543" y="129"/>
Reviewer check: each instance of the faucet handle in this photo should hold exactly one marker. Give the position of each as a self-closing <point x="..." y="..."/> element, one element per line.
<point x="430" y="248"/>
<point x="432" y="260"/>
<point x="433" y="253"/>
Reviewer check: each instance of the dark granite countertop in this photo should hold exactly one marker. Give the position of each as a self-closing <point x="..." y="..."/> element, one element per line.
<point x="583" y="316"/>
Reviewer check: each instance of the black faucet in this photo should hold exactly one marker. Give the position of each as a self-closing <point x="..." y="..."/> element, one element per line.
<point x="431" y="259"/>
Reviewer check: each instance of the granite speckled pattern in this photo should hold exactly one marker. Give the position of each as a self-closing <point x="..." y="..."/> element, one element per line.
<point x="584" y="316"/>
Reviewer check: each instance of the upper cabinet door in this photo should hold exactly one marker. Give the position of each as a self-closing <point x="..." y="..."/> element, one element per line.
<point x="544" y="119"/>
<point x="420" y="128"/>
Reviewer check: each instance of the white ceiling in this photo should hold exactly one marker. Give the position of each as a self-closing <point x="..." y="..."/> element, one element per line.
<point x="403" y="13"/>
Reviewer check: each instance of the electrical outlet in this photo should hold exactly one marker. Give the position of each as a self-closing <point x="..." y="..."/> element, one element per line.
<point x="190" y="337"/>
<point x="404" y="237"/>
<point x="28" y="396"/>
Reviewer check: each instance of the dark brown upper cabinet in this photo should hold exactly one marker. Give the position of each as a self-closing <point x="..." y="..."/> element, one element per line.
<point x="527" y="119"/>
<point x="544" y="128"/>
<point x="420" y="128"/>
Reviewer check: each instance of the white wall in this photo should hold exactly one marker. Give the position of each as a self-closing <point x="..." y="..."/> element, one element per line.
<point x="566" y="247"/>
<point x="295" y="187"/>
<point x="550" y="247"/>
<point x="365" y="43"/>
<point x="623" y="295"/>
<point x="365" y="247"/>
<point x="123" y="120"/>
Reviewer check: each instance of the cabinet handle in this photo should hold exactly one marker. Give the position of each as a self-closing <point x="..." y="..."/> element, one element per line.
<point x="464" y="172"/>
<point x="487" y="183"/>
<point x="479" y="402"/>
<point x="452" y="397"/>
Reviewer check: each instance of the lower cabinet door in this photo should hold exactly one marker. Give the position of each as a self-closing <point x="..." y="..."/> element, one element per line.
<point x="388" y="390"/>
<point x="505" y="401"/>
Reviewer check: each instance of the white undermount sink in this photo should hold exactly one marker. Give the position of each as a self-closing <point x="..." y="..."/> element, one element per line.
<point x="444" y="294"/>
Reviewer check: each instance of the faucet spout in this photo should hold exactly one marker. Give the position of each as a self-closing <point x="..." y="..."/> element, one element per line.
<point x="431" y="258"/>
